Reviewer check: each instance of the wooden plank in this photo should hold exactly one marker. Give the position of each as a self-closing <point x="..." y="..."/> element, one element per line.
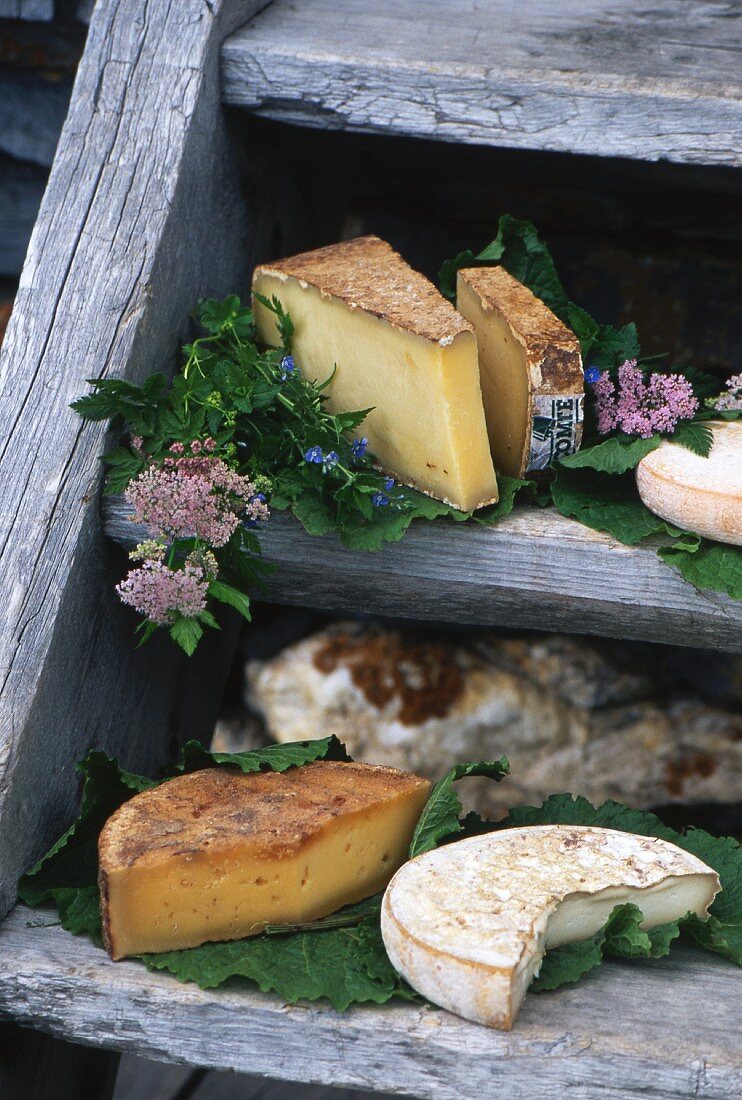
<point x="140" y="218"/>
<point x="648" y="81"/>
<point x="657" y="1029"/>
<point x="535" y="569"/>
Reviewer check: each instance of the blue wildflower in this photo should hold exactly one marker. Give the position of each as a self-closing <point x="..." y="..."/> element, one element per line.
<point x="592" y="374"/>
<point x="389" y="483"/>
<point x="358" y="447"/>
<point x="379" y="500"/>
<point x="288" y="366"/>
<point x="331" y="459"/>
<point x="314" y="454"/>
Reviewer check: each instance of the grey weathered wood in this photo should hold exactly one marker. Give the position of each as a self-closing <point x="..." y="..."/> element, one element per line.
<point x="27" y="9"/>
<point x="140" y="218"/>
<point x="534" y="569"/>
<point x="647" y="81"/>
<point x="656" y="1029"/>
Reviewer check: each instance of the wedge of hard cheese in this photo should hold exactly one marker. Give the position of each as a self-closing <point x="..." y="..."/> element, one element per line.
<point x="698" y="494"/>
<point x="530" y="368"/>
<point x="397" y="346"/>
<point x="468" y="924"/>
<point x="217" y="854"/>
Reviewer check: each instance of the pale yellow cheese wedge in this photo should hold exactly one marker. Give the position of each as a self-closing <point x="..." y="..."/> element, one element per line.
<point x="698" y="494"/>
<point x="398" y="347"/>
<point x="530" y="368"/>
<point x="217" y="854"/>
<point x="468" y="924"/>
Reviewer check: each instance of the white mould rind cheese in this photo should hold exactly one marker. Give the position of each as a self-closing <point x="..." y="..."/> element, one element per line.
<point x="698" y="494"/>
<point x="468" y="924"/>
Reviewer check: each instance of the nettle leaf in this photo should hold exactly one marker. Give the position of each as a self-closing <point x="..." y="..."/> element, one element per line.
<point x="344" y="965"/>
<point x="72" y="862"/>
<point x="613" y="456"/>
<point x="606" y="503"/>
<point x="621" y="937"/>
<point x="387" y="525"/>
<point x="441" y="816"/>
<point x="706" y="564"/>
<point x="519" y="249"/>
<point x="510" y="488"/>
<point x="275" y="758"/>
<point x="696" y="437"/>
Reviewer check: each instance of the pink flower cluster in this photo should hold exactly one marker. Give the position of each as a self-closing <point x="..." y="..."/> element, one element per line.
<point x="161" y="593"/>
<point x="194" y="495"/>
<point x="642" y="408"/>
<point x="731" y="398"/>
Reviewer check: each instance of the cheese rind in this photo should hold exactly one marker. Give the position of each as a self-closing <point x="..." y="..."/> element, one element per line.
<point x="698" y="494"/>
<point x="217" y="854"/>
<point x="531" y="371"/>
<point x="468" y="924"/>
<point x="398" y="348"/>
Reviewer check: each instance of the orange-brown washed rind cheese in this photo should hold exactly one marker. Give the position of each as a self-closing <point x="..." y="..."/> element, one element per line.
<point x="218" y="854"/>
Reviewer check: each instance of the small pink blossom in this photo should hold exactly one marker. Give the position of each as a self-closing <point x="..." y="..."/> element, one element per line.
<point x="161" y="593"/>
<point x="642" y="408"/>
<point x="194" y="496"/>
<point x="731" y="398"/>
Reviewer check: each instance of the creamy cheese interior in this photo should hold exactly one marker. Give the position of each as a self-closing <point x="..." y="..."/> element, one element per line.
<point x="580" y="916"/>
<point x="427" y="425"/>
<point x="504" y="379"/>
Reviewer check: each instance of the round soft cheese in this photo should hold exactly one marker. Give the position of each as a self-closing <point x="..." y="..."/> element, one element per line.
<point x="467" y="924"/>
<point x="703" y="495"/>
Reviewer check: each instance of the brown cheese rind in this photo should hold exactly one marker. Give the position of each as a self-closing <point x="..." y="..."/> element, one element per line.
<point x="366" y="273"/>
<point x="552" y="351"/>
<point x="221" y="813"/>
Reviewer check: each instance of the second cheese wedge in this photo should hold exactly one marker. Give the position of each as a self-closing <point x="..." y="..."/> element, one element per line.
<point x="217" y="854"/>
<point x="531" y="371"/>
<point x="397" y="346"/>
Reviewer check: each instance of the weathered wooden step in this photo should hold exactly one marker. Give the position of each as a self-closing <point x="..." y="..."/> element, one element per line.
<point x="585" y="76"/>
<point x="660" y="1029"/>
<point x="535" y="569"/>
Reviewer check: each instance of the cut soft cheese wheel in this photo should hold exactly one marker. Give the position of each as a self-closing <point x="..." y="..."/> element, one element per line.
<point x="468" y="924"/>
<point x="698" y="494"/>
<point x="530" y="370"/>
<point x="397" y="347"/>
<point x="217" y="854"/>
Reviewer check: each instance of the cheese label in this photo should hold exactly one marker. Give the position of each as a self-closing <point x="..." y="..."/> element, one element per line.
<point x="555" y="428"/>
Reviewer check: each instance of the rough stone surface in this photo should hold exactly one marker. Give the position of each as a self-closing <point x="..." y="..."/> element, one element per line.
<point x="570" y="714"/>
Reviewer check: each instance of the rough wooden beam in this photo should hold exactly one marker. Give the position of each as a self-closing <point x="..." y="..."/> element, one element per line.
<point x="657" y="1029"/>
<point x="534" y="569"/>
<point x="141" y="216"/>
<point x="648" y="81"/>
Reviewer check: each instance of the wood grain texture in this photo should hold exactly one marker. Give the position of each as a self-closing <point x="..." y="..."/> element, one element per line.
<point x="648" y="81"/>
<point x="657" y="1029"/>
<point x="535" y="569"/>
<point x="141" y="217"/>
